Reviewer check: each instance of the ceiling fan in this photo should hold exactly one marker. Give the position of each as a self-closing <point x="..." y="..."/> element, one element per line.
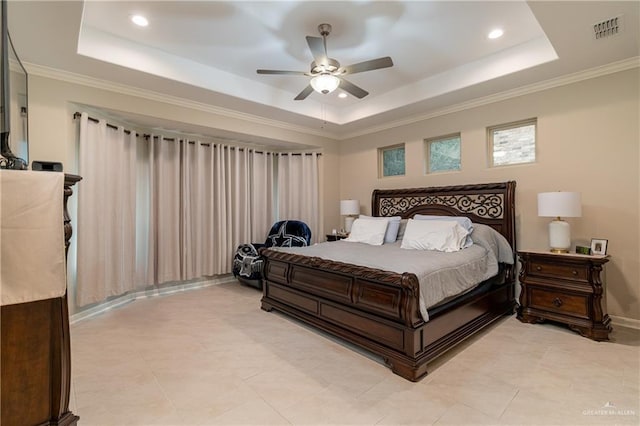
<point x="326" y="73"/>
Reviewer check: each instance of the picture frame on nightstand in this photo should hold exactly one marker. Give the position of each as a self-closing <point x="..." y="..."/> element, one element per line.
<point x="599" y="246"/>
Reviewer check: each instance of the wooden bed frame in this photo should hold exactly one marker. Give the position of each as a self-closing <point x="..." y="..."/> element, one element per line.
<point x="379" y="310"/>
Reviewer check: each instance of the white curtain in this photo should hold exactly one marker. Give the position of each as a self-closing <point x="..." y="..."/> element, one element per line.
<point x="145" y="220"/>
<point x="202" y="201"/>
<point x="230" y="185"/>
<point x="154" y="210"/>
<point x="263" y="194"/>
<point x="238" y="205"/>
<point x="167" y="209"/>
<point x="106" y="212"/>
<point x="192" y="210"/>
<point x="299" y="190"/>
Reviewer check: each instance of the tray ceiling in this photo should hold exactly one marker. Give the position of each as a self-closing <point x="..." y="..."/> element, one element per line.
<point x="208" y="52"/>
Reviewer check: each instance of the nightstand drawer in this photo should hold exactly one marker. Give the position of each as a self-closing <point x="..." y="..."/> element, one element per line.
<point x="559" y="270"/>
<point x="568" y="304"/>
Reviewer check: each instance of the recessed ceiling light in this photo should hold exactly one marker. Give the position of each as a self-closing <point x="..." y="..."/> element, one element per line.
<point x="139" y="20"/>
<point x="342" y="95"/>
<point x="497" y="33"/>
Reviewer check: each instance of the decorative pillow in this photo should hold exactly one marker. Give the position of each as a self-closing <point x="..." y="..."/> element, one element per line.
<point x="369" y="231"/>
<point x="289" y="233"/>
<point x="465" y="222"/>
<point x="247" y="262"/>
<point x="392" y="228"/>
<point x="440" y="235"/>
<point x="402" y="228"/>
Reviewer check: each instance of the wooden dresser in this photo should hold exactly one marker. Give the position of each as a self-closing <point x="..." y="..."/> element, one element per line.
<point x="565" y="288"/>
<point x="36" y="356"/>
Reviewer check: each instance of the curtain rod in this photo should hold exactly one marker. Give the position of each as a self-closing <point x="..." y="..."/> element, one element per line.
<point x="77" y="115"/>
<point x="147" y="136"/>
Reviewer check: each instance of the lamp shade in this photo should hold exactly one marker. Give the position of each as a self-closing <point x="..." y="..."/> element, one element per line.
<point x="349" y="207"/>
<point x="559" y="204"/>
<point x="325" y="83"/>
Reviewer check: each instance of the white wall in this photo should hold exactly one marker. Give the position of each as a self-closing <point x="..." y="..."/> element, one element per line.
<point x="587" y="141"/>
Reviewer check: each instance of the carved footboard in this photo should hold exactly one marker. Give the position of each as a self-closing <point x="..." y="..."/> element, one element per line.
<point x="316" y="286"/>
<point x="388" y="294"/>
<point x="375" y="309"/>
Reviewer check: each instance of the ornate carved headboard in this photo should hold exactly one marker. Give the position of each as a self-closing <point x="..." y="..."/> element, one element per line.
<point x="491" y="204"/>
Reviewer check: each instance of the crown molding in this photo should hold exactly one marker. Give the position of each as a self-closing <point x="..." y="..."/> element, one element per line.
<point x="96" y="83"/>
<point x="612" y="68"/>
<point x="84" y="80"/>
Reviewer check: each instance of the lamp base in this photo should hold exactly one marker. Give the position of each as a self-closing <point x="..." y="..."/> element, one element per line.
<point x="559" y="236"/>
<point x="348" y="223"/>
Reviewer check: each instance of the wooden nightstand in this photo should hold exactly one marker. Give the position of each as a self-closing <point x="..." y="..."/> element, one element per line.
<point x="336" y="237"/>
<point x="565" y="288"/>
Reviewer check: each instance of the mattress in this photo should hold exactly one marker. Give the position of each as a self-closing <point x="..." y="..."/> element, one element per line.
<point x="442" y="276"/>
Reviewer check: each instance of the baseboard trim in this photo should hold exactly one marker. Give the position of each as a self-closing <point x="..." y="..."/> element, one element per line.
<point x="625" y="322"/>
<point x="143" y="294"/>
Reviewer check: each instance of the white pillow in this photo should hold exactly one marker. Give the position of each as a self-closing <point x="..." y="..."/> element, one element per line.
<point x="465" y="222"/>
<point x="402" y="228"/>
<point x="368" y="231"/>
<point x="392" y="228"/>
<point x="441" y="235"/>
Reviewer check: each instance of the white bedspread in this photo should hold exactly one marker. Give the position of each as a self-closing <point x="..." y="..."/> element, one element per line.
<point x="441" y="275"/>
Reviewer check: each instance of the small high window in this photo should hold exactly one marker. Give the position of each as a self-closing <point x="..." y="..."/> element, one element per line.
<point x="391" y="161"/>
<point x="443" y="154"/>
<point x="513" y="143"/>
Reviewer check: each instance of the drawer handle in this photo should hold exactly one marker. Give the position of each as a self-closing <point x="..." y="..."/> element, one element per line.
<point x="557" y="302"/>
<point x="574" y="272"/>
<point x="538" y="268"/>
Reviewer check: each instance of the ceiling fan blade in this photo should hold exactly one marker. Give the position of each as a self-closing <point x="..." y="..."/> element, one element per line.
<point x="280" y="72"/>
<point x="318" y="49"/>
<point x="305" y="92"/>
<point x="352" y="88"/>
<point x="373" y="64"/>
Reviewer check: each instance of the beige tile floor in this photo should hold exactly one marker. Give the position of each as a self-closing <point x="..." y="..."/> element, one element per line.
<point x="212" y="357"/>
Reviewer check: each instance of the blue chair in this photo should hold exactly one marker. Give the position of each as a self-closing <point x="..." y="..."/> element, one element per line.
<point x="247" y="262"/>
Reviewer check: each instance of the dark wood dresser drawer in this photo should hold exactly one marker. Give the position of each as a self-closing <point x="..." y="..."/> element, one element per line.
<point x="559" y="270"/>
<point x="569" y="304"/>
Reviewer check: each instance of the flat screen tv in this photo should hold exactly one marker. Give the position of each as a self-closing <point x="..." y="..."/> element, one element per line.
<point x="13" y="97"/>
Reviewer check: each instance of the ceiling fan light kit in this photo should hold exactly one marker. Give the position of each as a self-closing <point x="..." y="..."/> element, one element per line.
<point x="326" y="73"/>
<point x="325" y="83"/>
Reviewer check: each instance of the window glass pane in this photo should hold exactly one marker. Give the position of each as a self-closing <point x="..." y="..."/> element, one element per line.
<point x="515" y="145"/>
<point x="444" y="154"/>
<point x="393" y="161"/>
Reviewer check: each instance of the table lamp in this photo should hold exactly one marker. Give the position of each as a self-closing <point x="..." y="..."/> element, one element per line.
<point x="559" y="204"/>
<point x="350" y="209"/>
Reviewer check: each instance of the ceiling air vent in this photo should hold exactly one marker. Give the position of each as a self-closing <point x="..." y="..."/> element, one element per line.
<point x="608" y="28"/>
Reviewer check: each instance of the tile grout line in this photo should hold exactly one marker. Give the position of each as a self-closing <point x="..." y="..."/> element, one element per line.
<point x="507" y="406"/>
